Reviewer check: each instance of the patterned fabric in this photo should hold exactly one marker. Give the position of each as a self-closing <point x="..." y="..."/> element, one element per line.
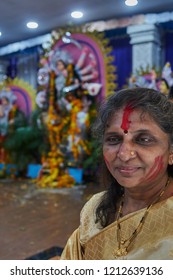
<point x="154" y="242"/>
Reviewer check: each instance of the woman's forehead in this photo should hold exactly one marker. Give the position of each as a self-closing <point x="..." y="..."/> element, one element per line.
<point x="128" y="112"/>
<point x="125" y="118"/>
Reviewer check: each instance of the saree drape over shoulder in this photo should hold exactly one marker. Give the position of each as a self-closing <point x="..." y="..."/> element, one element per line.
<point x="154" y="242"/>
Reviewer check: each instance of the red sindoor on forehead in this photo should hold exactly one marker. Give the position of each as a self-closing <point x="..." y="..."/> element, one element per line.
<point x="125" y="121"/>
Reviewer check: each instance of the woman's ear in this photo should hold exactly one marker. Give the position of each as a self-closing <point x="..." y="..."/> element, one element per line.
<point x="170" y="161"/>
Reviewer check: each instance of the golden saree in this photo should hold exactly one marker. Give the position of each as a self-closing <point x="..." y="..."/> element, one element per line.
<point x="154" y="242"/>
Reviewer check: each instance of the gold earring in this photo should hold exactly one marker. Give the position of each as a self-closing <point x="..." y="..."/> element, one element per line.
<point x="132" y="153"/>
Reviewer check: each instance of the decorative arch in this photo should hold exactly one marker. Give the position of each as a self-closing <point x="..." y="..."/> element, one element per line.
<point x="71" y="45"/>
<point x="25" y="95"/>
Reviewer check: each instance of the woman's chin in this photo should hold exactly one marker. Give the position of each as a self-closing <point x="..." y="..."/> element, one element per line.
<point x="127" y="181"/>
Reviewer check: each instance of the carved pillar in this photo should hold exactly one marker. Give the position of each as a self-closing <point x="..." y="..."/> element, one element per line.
<point x="146" y="46"/>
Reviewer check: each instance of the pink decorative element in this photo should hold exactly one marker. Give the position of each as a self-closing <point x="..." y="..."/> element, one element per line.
<point x="90" y="77"/>
<point x="93" y="88"/>
<point x="23" y="101"/>
<point x="93" y="63"/>
<point x="85" y="50"/>
<point x="86" y="70"/>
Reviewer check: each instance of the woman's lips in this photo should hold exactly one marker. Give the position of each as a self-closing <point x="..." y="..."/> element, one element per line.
<point x="127" y="170"/>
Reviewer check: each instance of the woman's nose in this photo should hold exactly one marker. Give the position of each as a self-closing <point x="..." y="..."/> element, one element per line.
<point x="126" y="152"/>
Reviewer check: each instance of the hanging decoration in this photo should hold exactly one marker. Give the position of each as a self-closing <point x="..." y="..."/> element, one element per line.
<point x="75" y="74"/>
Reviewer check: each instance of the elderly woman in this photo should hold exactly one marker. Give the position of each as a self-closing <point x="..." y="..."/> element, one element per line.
<point x="133" y="217"/>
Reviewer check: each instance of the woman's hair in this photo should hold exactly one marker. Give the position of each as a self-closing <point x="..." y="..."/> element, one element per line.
<point x="149" y="101"/>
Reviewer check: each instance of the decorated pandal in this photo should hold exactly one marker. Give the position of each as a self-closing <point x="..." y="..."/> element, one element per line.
<point x="56" y="136"/>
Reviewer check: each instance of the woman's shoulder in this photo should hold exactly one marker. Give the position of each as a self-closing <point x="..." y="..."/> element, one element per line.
<point x="88" y="227"/>
<point x="92" y="203"/>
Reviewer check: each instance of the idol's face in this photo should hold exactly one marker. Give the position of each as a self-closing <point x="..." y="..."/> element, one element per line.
<point x="135" y="149"/>
<point x="60" y="65"/>
<point x="5" y="101"/>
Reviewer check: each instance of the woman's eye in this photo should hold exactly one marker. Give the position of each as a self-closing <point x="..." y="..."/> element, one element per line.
<point x="113" y="140"/>
<point x="144" y="140"/>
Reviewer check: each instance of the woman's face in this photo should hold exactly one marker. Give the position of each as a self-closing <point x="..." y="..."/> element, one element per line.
<point x="135" y="149"/>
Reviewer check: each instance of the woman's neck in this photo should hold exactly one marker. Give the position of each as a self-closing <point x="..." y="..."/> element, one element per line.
<point x="135" y="200"/>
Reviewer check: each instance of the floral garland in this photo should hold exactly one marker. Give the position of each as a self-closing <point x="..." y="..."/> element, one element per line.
<point x="53" y="173"/>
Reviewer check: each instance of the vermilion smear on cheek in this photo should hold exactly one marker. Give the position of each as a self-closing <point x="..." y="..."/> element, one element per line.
<point x="125" y="121"/>
<point x="155" y="169"/>
<point x="107" y="162"/>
